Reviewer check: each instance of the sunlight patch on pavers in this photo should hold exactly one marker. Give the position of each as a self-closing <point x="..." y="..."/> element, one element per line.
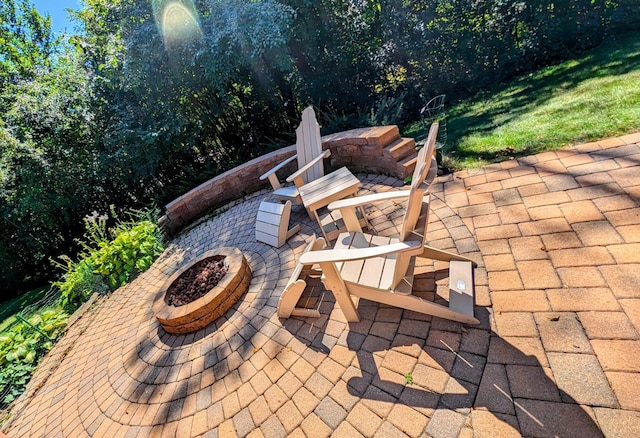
<point x="555" y="236"/>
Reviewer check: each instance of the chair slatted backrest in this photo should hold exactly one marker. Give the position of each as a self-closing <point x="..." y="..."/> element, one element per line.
<point x="419" y="186"/>
<point x="416" y="218"/>
<point x="309" y="145"/>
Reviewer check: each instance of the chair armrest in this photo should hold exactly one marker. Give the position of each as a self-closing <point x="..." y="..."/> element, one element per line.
<point x="307" y="166"/>
<point x="278" y="167"/>
<point x="344" y="255"/>
<point x="368" y="199"/>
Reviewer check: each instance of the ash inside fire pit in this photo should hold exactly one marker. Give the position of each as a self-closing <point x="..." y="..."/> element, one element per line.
<point x="196" y="281"/>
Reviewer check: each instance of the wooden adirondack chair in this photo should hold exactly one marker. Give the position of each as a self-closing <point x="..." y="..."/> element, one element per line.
<point x="380" y="268"/>
<point x="309" y="155"/>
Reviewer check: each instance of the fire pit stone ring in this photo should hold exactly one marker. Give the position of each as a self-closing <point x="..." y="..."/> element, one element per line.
<point x="206" y="309"/>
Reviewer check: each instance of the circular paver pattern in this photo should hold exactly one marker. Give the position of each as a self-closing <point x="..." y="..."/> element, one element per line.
<point x="546" y="235"/>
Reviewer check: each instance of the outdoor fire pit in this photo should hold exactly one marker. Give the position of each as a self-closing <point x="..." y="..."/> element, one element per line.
<point x="225" y="267"/>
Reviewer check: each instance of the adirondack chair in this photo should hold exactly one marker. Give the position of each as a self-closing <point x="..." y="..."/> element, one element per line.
<point x="309" y="155"/>
<point x="380" y="268"/>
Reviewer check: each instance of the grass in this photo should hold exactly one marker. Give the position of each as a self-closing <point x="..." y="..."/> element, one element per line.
<point x="584" y="99"/>
<point x="9" y="308"/>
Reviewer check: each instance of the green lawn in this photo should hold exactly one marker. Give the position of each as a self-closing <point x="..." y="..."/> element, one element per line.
<point x="585" y="99"/>
<point x="9" y="308"/>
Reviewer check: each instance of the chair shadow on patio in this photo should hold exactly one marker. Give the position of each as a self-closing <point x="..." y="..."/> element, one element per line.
<point x="445" y="371"/>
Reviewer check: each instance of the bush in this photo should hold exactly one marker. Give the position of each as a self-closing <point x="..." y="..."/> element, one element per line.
<point x="22" y="347"/>
<point x="133" y="250"/>
<point x="110" y="257"/>
<point x="385" y="110"/>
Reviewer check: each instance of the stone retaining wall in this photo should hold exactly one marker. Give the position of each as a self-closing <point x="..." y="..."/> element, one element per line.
<point x="358" y="149"/>
<point x="363" y="149"/>
<point x="222" y="189"/>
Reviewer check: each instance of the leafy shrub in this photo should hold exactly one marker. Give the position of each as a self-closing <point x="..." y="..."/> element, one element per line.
<point x="385" y="110"/>
<point x="79" y="283"/>
<point x="133" y="250"/>
<point x="110" y="257"/>
<point x="22" y="347"/>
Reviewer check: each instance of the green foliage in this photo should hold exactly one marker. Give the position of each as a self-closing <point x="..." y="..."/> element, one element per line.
<point x="447" y="47"/>
<point x="132" y="250"/>
<point x="195" y="90"/>
<point x="134" y="112"/>
<point x="340" y="54"/>
<point x="79" y="283"/>
<point x="25" y="40"/>
<point x="173" y="109"/>
<point x="585" y="99"/>
<point x="386" y="110"/>
<point x="23" y="346"/>
<point x="10" y="307"/>
<point x="13" y="379"/>
<point x="50" y="173"/>
<point x="110" y="257"/>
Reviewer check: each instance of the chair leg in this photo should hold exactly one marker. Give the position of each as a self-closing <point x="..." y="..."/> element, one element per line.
<point x="317" y="218"/>
<point x="334" y="283"/>
<point x="290" y="297"/>
<point x="296" y="285"/>
<point x="416" y="304"/>
<point x="364" y="216"/>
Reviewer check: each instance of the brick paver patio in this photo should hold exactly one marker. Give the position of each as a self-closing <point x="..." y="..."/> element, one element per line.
<point x="557" y="240"/>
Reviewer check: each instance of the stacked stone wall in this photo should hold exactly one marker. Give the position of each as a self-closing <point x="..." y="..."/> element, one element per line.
<point x="363" y="149"/>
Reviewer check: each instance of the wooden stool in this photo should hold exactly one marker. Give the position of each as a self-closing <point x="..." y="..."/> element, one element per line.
<point x="272" y="223"/>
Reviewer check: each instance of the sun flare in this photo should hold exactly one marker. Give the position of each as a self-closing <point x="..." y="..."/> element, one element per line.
<point x="178" y="23"/>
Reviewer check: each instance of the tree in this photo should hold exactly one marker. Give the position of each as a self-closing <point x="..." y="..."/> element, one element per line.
<point x="25" y="40"/>
<point x="50" y="173"/>
<point x="172" y="105"/>
<point x="338" y="53"/>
